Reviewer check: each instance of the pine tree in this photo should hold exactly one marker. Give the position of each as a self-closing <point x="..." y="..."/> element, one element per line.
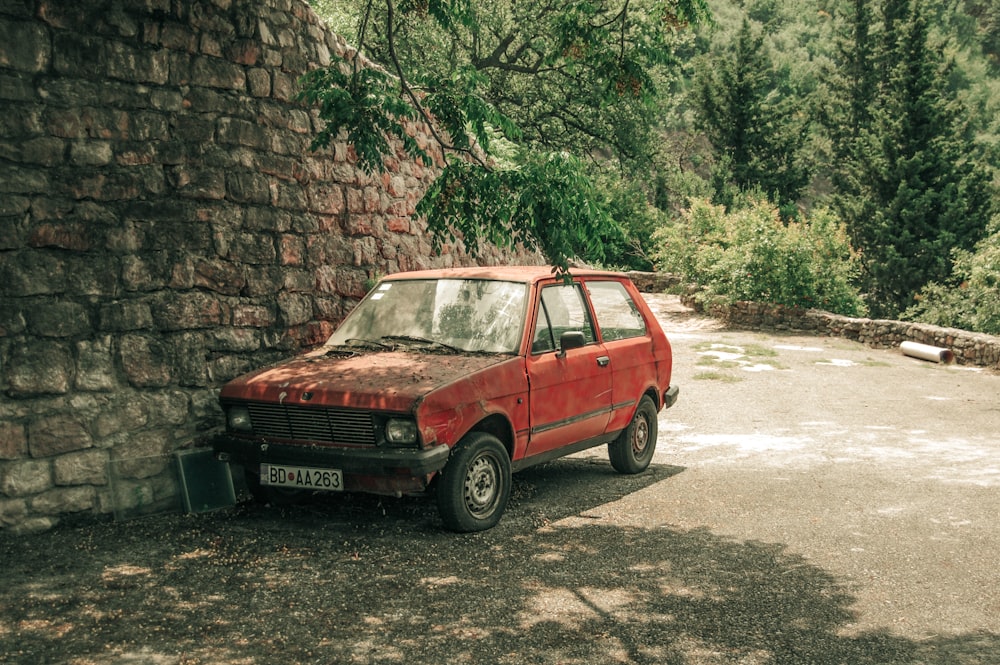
<point x="911" y="188"/>
<point x="757" y="135"/>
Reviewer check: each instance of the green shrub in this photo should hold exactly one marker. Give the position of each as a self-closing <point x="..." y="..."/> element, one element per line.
<point x="751" y="254"/>
<point x="970" y="299"/>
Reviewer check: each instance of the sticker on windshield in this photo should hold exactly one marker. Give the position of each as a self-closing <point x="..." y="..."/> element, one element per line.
<point x="377" y="296"/>
<point x="385" y="287"/>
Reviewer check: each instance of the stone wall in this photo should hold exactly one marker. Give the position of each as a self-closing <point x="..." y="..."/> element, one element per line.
<point x="164" y="227"/>
<point x="969" y="348"/>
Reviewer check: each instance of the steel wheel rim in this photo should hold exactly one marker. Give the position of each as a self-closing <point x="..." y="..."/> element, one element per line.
<point x="640" y="436"/>
<point x="482" y="486"/>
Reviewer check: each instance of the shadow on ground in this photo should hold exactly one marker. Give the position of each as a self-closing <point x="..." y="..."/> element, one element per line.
<point x="364" y="580"/>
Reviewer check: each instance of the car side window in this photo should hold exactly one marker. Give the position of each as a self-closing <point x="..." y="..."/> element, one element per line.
<point x="561" y="310"/>
<point x="618" y="317"/>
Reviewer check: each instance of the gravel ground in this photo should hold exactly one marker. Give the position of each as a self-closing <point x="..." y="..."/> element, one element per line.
<point x="811" y="501"/>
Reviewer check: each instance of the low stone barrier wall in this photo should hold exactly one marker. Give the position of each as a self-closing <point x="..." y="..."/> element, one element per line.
<point x="969" y="348"/>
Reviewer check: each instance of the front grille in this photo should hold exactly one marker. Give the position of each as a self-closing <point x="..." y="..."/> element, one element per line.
<point x="312" y="424"/>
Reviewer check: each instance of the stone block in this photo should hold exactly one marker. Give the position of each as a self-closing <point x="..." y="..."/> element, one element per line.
<point x="64" y="500"/>
<point x="13" y="511"/>
<point x="58" y="319"/>
<point x="25" y="477"/>
<point x="259" y="80"/>
<point x="34" y="525"/>
<point x="91" y="153"/>
<point x="134" y="65"/>
<point x="295" y="309"/>
<point x="240" y="340"/>
<point x="225" y="368"/>
<point x="45" y="150"/>
<point x="177" y="37"/>
<point x="126" y="315"/>
<point x="167" y="408"/>
<point x="71" y="236"/>
<point x="284" y="86"/>
<point x="217" y="73"/>
<point x="242" y="132"/>
<point x="252" y="248"/>
<point x="121" y="184"/>
<point x="328" y="198"/>
<point x="126" y="414"/>
<point x="24" y="46"/>
<point x="248" y="187"/>
<point x="188" y="311"/>
<point x="57" y="434"/>
<point x="32" y="273"/>
<point x="94" y="365"/>
<point x="148" y="126"/>
<point x="146" y="360"/>
<point x="144" y="455"/>
<point x="252" y="316"/>
<point x="21" y="180"/>
<point x="39" y="368"/>
<point x="218" y="275"/>
<point x="244" y="52"/>
<point x="89" y="467"/>
<point x="198" y="183"/>
<point x="17" y="87"/>
<point x="293" y="249"/>
<point x="13" y="441"/>
<point x="190" y="358"/>
<point x="12" y="321"/>
<point x="289" y="195"/>
<point x="268" y="219"/>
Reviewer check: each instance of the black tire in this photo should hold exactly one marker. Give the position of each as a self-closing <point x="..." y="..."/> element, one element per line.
<point x="474" y="487"/>
<point x="633" y="450"/>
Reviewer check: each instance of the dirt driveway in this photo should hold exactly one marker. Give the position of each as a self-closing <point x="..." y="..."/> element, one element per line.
<point x="811" y="501"/>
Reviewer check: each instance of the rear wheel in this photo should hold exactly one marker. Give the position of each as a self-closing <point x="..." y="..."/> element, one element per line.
<point x="474" y="487"/>
<point x="633" y="450"/>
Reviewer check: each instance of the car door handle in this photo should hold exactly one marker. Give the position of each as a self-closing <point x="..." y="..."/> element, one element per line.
<point x="603" y="361"/>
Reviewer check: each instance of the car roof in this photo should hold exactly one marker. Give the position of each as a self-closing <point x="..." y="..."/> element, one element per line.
<point x="526" y="274"/>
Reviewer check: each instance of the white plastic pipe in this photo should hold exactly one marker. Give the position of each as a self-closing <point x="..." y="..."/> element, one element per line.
<point x="927" y="352"/>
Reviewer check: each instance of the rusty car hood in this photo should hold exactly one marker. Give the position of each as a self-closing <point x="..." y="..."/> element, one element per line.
<point x="390" y="381"/>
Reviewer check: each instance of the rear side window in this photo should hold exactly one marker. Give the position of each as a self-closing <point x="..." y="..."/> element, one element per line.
<point x="617" y="315"/>
<point x="562" y="310"/>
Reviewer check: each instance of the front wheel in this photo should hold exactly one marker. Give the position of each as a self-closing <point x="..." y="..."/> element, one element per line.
<point x="633" y="450"/>
<point x="474" y="487"/>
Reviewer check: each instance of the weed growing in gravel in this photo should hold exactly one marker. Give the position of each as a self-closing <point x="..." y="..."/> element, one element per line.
<point x="717" y="376"/>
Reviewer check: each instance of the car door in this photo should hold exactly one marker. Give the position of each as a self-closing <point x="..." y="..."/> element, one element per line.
<point x="570" y="390"/>
<point x="628" y="345"/>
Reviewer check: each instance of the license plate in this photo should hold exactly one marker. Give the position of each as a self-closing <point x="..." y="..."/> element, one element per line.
<point x="300" y="477"/>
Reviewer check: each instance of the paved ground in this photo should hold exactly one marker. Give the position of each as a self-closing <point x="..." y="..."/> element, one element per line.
<point x="811" y="501"/>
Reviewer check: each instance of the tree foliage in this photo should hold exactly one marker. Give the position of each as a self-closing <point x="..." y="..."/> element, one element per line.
<point x="757" y="134"/>
<point x="752" y="254"/>
<point x="579" y="76"/>
<point x="970" y="297"/>
<point x="909" y="189"/>
<point x="583" y="126"/>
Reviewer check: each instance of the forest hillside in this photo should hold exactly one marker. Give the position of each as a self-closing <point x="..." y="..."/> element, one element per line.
<point x="841" y="154"/>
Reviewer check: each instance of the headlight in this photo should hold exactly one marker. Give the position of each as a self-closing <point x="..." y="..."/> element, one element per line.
<point x="399" y="431"/>
<point x="238" y="418"/>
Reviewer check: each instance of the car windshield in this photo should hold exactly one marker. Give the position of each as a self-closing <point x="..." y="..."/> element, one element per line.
<point x="474" y="315"/>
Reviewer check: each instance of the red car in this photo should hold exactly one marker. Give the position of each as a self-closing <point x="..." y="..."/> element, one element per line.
<point x="454" y="379"/>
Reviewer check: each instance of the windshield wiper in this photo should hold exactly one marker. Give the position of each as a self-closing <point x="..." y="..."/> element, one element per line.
<point x="358" y="341"/>
<point x="421" y="340"/>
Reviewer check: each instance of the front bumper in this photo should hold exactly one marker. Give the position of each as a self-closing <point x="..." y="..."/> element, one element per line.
<point x="360" y="461"/>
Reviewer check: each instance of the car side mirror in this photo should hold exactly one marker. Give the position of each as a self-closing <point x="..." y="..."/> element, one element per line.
<point x="572" y="339"/>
